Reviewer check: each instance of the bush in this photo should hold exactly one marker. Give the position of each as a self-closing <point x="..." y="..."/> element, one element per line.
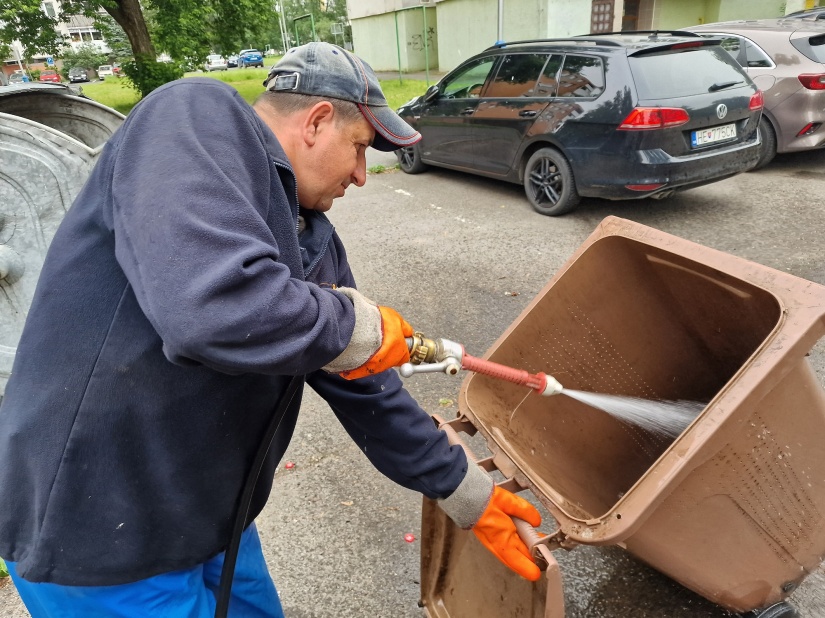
<point x="146" y="74"/>
<point x="87" y="56"/>
<point x="4" y="572"/>
<point x="34" y="75"/>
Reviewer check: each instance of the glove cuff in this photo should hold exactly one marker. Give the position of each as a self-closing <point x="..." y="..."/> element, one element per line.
<point x="470" y="499"/>
<point x="366" y="336"/>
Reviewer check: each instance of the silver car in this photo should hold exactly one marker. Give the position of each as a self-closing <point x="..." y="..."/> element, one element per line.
<point x="786" y="59"/>
<point x="214" y="62"/>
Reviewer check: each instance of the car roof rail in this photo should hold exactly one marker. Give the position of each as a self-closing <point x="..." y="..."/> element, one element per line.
<point x="568" y="39"/>
<point x="652" y="33"/>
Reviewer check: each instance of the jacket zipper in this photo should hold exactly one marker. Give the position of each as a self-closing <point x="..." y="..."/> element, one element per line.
<point x="298" y="213"/>
<point x="295" y="184"/>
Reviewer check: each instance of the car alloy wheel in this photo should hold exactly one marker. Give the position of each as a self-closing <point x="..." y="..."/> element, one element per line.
<point x="549" y="183"/>
<point x="409" y="159"/>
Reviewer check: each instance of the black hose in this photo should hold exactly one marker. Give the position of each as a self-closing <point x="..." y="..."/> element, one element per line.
<point x="231" y="555"/>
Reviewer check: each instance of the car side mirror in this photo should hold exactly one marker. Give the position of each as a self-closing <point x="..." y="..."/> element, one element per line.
<point x="431" y="94"/>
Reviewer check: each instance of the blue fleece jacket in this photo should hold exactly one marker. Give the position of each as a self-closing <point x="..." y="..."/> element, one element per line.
<point x="175" y="302"/>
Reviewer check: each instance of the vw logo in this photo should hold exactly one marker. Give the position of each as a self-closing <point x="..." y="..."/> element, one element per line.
<point x="721" y="110"/>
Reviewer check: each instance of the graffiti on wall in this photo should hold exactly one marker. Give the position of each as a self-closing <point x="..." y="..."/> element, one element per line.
<point x="416" y="41"/>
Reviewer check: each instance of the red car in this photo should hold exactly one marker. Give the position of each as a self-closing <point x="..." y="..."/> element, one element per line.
<point x="50" y="76"/>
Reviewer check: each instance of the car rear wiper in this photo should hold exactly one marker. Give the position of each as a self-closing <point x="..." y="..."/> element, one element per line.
<point x="722" y="85"/>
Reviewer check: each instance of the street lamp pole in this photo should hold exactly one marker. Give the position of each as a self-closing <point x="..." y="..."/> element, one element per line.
<point x="284" y="29"/>
<point x="500" y="21"/>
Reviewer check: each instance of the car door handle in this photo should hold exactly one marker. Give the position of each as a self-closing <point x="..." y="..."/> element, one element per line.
<point x="467" y="111"/>
<point x="527" y="113"/>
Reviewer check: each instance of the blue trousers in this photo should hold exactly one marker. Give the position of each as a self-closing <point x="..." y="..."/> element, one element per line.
<point x="180" y="594"/>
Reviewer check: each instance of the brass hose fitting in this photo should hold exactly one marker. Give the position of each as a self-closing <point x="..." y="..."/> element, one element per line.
<point x="422" y="349"/>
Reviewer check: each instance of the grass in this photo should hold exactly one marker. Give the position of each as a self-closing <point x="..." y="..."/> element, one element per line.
<point x="248" y="82"/>
<point x="381" y="169"/>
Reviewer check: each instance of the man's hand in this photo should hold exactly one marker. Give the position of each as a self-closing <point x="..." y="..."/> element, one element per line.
<point x="497" y="532"/>
<point x="393" y="351"/>
<point x="378" y="341"/>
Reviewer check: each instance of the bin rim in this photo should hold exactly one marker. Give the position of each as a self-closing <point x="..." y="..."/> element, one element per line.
<point x="46" y="129"/>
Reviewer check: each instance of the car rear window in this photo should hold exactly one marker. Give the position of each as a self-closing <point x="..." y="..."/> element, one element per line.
<point x="813" y="47"/>
<point x="581" y="76"/>
<point x="670" y="75"/>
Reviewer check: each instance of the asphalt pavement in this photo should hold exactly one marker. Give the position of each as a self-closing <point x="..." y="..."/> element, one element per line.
<point x="461" y="256"/>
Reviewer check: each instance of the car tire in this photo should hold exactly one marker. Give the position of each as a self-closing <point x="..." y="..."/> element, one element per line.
<point x="409" y="159"/>
<point x="767" y="150"/>
<point x="549" y="183"/>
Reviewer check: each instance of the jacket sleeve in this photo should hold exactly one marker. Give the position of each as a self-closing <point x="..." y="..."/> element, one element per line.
<point x="397" y="436"/>
<point x="401" y="441"/>
<point x="192" y="191"/>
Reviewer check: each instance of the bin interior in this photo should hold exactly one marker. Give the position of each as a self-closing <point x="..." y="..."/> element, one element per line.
<point x="83" y="119"/>
<point x="626" y="318"/>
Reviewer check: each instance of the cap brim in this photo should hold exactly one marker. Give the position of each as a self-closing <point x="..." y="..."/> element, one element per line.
<point x="391" y="131"/>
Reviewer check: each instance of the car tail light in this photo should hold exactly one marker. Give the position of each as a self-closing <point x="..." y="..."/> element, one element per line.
<point x="652" y="187"/>
<point x="686" y="45"/>
<point x="813" y="81"/>
<point x="757" y="101"/>
<point x="645" y="118"/>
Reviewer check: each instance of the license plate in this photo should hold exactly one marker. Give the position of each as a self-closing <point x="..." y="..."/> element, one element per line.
<point x="714" y="134"/>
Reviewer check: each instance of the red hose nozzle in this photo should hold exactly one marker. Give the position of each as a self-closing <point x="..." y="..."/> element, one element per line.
<point x="539" y="382"/>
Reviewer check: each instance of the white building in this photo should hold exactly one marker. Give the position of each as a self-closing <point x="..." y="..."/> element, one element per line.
<point x="414" y="35"/>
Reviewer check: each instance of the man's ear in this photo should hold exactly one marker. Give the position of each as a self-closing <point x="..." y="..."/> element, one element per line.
<point x="319" y="118"/>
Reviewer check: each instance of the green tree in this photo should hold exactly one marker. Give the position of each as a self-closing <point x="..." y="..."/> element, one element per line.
<point x="25" y="21"/>
<point x="115" y="37"/>
<point x="186" y="29"/>
<point x="324" y="13"/>
<point x="87" y="56"/>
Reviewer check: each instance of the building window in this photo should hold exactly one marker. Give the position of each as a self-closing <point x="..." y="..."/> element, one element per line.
<point x="48" y="8"/>
<point x="96" y="35"/>
<point x="601" y="16"/>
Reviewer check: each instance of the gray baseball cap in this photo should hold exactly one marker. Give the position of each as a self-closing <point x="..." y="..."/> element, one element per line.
<point x="326" y="70"/>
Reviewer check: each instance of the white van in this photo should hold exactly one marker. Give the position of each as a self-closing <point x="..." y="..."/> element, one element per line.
<point x="105" y="70"/>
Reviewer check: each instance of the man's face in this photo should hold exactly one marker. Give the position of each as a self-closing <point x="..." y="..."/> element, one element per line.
<point x="336" y="160"/>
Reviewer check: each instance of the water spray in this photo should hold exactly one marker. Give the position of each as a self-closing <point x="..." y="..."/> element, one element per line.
<point x="444" y="356"/>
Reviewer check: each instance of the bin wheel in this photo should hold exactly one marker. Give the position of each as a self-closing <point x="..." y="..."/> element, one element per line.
<point x="783" y="609"/>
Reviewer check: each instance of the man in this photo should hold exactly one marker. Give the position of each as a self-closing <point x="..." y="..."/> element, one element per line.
<point x="194" y="275"/>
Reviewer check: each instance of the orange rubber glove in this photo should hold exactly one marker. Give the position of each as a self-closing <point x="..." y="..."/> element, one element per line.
<point x="497" y="532"/>
<point x="393" y="351"/>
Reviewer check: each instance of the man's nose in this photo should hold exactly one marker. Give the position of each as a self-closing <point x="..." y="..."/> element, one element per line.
<point x="359" y="175"/>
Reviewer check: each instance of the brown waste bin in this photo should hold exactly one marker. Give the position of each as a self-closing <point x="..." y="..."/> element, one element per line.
<point x="733" y="507"/>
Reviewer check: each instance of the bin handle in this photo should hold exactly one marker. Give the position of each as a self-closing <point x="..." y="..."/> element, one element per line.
<point x="535" y="541"/>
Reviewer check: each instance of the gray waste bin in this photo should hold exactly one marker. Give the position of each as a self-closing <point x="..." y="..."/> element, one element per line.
<point x="50" y="138"/>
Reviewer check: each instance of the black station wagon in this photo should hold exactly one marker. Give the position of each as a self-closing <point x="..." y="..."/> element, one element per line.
<point x="616" y="116"/>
